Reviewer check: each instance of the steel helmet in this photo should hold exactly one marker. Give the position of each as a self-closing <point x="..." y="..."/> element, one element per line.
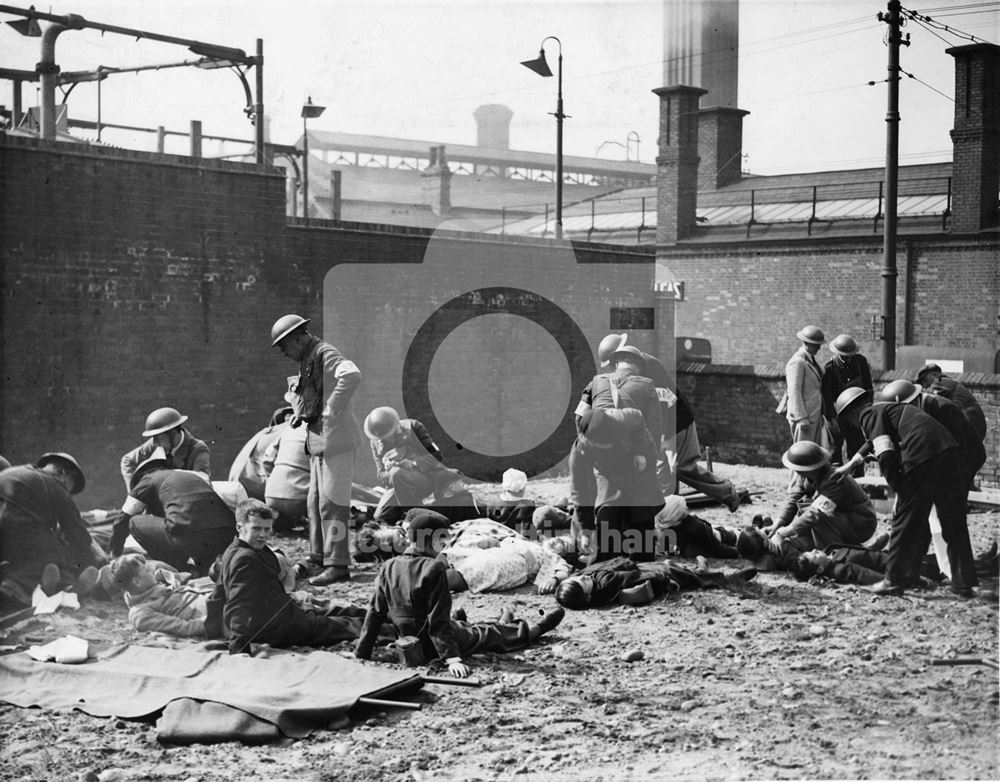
<point x="805" y="456"/>
<point x="844" y="345"/>
<point x="812" y="334"/>
<point x="630" y="352"/>
<point x="284" y="326"/>
<point x="899" y="391"/>
<point x="928" y="369"/>
<point x="381" y="422"/>
<point x="67" y="461"/>
<point x="571" y="594"/>
<point x="152" y="464"/>
<point x="847" y="398"/>
<point x="609" y="345"/>
<point x="162" y="420"/>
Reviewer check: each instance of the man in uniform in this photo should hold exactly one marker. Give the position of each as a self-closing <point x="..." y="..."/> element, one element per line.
<point x="934" y="381"/>
<point x="625" y="493"/>
<point x="322" y="400"/>
<point x="824" y="507"/>
<point x="803" y="400"/>
<point x="408" y="463"/>
<point x="165" y="430"/>
<point x="42" y="537"/>
<point x="679" y="449"/>
<point x="175" y="516"/>
<point x="920" y="461"/>
<point x="847" y="368"/>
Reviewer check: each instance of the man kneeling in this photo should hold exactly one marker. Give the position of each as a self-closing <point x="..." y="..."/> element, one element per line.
<point x="257" y="607"/>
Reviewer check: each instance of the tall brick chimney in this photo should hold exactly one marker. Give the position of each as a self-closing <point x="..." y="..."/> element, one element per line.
<point x="493" y="126"/>
<point x="720" y="146"/>
<point x="436" y="181"/>
<point x="677" y="163"/>
<point x="976" y="138"/>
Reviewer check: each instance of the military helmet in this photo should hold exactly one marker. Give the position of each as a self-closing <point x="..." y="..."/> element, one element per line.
<point x="812" y="334"/>
<point x="899" y="391"/>
<point x="162" y="420"/>
<point x="844" y="345"/>
<point x="805" y="456"/>
<point x="609" y="345"/>
<point x="381" y="422"/>
<point x="284" y="326"/>
<point x="68" y="462"/>
<point x="847" y="398"/>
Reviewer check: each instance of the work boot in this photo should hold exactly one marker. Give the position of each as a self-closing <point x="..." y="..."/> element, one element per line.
<point x="51" y="579"/>
<point x="331" y="575"/>
<point x="885" y="587"/>
<point x="87" y="580"/>
<point x="506" y="617"/>
<point x="548" y="622"/>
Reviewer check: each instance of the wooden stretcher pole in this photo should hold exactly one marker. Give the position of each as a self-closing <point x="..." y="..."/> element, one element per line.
<point x="966" y="661"/>
<point x="389" y="704"/>
<point x="452" y="680"/>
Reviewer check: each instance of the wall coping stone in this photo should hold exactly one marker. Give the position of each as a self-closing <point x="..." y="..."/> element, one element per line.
<point x="771" y="371"/>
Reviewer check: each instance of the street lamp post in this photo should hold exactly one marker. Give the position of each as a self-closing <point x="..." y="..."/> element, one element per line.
<point x="309" y="111"/>
<point x="541" y="67"/>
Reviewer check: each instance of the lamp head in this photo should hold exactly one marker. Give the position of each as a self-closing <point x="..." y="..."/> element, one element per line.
<point x="28" y="27"/>
<point x="539" y="65"/>
<point x="310" y="110"/>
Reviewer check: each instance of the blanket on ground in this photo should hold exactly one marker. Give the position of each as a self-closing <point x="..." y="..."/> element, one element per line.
<point x="298" y="693"/>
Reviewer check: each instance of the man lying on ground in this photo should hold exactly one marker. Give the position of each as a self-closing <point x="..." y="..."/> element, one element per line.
<point x="411" y="590"/>
<point x="622" y="580"/>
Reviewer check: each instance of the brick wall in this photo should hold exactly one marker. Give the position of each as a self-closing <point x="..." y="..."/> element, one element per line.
<point x="750" y="299"/>
<point x="130" y="281"/>
<point x="734" y="409"/>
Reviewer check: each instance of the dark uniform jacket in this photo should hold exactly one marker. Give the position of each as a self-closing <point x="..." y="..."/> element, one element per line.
<point x="951" y="389"/>
<point x="333" y="427"/>
<point x="903" y="437"/>
<point x="39" y="523"/>
<point x="959" y="426"/>
<point x="413" y="442"/>
<point x="842" y="372"/>
<point x="831" y="493"/>
<point x="412" y="591"/>
<point x="186" y="502"/>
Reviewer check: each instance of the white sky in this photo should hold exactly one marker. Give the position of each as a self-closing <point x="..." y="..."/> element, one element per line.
<point x="418" y="70"/>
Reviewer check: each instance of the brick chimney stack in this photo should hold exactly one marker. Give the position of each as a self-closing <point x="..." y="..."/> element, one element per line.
<point x="436" y="179"/>
<point x="720" y="146"/>
<point x="677" y="163"/>
<point x="976" y="138"/>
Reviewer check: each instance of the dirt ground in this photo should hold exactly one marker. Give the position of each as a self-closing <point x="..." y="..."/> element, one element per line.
<point x="788" y="681"/>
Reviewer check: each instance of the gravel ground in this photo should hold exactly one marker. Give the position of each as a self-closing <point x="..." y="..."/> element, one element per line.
<point x="787" y="680"/>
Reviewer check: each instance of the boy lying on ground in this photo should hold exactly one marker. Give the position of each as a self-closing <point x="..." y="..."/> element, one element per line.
<point x="622" y="580"/>
<point x="411" y="590"/>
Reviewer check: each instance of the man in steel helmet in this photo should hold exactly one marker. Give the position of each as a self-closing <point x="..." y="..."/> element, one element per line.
<point x="165" y="430"/>
<point x="321" y="399"/>
<point x="824" y="507"/>
<point x="846" y="369"/>
<point x="803" y="400"/>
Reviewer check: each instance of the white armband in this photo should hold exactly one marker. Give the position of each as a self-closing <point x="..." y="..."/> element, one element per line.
<point x="666" y="396"/>
<point x="346" y="367"/>
<point x="132" y="506"/>
<point x="824" y="505"/>
<point x="581" y="408"/>
<point x="883" y="443"/>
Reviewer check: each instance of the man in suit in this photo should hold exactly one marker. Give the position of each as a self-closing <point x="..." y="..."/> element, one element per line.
<point x="803" y="402"/>
<point x="168" y="437"/>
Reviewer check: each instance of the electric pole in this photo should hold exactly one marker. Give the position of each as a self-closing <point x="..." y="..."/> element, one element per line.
<point x="894" y="40"/>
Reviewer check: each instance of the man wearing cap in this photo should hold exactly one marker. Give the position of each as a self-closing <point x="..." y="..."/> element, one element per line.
<point x="321" y="398"/>
<point x="824" y="508"/>
<point x="175" y="516"/>
<point x="165" y="430"/>
<point x="42" y="536"/>
<point x="920" y="461"/>
<point x="934" y="381"/>
<point x="803" y="400"/>
<point x="847" y="368"/>
<point x="625" y="492"/>
<point x="408" y="463"/>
